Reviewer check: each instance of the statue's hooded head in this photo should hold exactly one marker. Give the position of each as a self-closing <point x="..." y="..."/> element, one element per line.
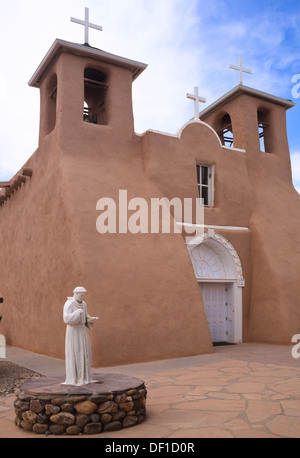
<point x="79" y="293"/>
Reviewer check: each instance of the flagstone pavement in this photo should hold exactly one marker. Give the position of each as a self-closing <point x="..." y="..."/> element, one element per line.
<point x="240" y="391"/>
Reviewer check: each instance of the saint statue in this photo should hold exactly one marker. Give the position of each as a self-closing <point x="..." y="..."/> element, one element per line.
<point x="77" y="344"/>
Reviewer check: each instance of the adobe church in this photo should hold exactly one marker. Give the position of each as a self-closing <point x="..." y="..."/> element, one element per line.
<point x="157" y="296"/>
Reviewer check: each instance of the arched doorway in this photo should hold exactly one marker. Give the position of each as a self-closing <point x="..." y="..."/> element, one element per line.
<point x="219" y="274"/>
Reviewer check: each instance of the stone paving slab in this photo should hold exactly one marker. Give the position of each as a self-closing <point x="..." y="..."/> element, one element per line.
<point x="243" y="391"/>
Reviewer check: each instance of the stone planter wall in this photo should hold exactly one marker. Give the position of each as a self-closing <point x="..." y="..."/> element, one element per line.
<point x="77" y="414"/>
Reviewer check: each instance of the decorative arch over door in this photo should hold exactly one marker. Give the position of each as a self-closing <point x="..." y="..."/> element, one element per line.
<point x="216" y="262"/>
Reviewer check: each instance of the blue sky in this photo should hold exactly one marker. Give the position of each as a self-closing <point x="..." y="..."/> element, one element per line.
<point x="185" y="43"/>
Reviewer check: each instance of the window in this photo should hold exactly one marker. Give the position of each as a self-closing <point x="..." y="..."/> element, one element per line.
<point x="95" y="87"/>
<point x="205" y="184"/>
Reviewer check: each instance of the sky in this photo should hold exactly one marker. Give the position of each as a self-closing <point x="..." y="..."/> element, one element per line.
<point x="185" y="43"/>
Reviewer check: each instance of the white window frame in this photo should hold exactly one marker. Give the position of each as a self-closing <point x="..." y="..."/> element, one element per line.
<point x="210" y="182"/>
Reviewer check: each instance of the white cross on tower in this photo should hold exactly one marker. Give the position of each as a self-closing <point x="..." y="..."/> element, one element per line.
<point x="241" y="69"/>
<point x="87" y="25"/>
<point x="196" y="99"/>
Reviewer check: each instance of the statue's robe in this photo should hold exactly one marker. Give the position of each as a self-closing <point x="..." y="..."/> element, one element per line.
<point x="77" y="344"/>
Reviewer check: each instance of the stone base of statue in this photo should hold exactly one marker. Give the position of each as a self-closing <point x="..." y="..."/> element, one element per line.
<point x="110" y="403"/>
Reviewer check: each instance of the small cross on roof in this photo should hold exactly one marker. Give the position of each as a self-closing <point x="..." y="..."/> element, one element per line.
<point x="196" y="99"/>
<point x="241" y="69"/>
<point x="87" y="24"/>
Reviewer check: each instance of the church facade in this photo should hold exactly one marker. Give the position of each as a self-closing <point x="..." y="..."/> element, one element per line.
<point x="158" y="295"/>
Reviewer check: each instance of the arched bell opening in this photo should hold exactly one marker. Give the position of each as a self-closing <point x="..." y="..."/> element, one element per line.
<point x="95" y="89"/>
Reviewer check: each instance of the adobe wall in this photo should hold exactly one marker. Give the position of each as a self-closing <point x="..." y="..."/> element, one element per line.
<point x="170" y="163"/>
<point x="140" y="285"/>
<point x="38" y="258"/>
<point x="132" y="280"/>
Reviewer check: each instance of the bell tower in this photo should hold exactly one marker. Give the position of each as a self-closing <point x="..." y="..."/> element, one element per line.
<point x="249" y="119"/>
<point x="252" y="124"/>
<point x="84" y="90"/>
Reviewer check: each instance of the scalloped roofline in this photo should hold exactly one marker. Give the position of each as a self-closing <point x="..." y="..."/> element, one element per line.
<point x="180" y="131"/>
